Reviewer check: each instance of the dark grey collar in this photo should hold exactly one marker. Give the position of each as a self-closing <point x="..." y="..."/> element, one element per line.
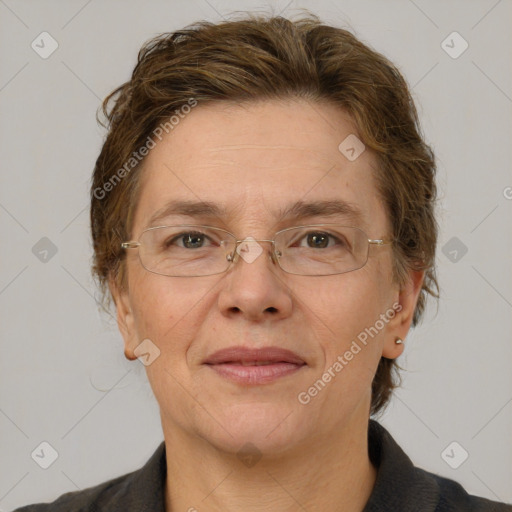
<point x="399" y="487"/>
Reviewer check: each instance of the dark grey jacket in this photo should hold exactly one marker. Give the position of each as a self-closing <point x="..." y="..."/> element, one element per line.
<point x="400" y="487"/>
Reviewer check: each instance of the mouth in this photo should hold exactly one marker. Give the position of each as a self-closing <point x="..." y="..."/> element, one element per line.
<point x="254" y="366"/>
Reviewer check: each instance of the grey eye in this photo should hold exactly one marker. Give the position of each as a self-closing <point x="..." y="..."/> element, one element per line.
<point x="189" y="240"/>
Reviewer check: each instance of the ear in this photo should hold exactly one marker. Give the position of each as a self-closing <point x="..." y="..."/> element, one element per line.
<point x="125" y="318"/>
<point x="404" y="306"/>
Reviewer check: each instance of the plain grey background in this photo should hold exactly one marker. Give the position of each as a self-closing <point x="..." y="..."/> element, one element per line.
<point x="64" y="379"/>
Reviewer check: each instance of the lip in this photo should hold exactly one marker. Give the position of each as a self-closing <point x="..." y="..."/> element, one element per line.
<point x="254" y="355"/>
<point x="254" y="366"/>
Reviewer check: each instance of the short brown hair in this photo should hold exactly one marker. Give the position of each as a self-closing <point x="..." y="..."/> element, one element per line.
<point x="269" y="57"/>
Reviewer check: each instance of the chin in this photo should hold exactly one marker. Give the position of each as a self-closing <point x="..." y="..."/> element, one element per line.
<point x="271" y="427"/>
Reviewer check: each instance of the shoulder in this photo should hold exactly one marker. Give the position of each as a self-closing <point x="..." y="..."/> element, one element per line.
<point x="452" y="496"/>
<point x="140" y="490"/>
<point x="402" y="486"/>
<point x="91" y="500"/>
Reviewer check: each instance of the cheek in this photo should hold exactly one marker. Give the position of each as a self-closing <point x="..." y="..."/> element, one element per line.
<point x="156" y="307"/>
<point x="343" y="312"/>
<point x="343" y="304"/>
<point x="166" y="310"/>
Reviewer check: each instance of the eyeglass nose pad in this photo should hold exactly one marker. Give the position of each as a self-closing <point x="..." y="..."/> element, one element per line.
<point x="275" y="255"/>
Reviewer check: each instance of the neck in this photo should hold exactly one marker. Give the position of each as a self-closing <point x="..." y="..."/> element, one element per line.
<point x="329" y="473"/>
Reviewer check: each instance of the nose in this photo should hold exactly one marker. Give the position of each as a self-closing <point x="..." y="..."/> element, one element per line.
<point x="254" y="286"/>
<point x="249" y="249"/>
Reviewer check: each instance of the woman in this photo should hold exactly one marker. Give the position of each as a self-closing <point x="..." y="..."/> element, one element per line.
<point x="262" y="214"/>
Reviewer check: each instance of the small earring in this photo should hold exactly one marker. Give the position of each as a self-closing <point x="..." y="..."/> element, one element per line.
<point x="399" y="341"/>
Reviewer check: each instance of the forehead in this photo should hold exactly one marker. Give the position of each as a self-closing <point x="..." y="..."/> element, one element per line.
<point x="258" y="162"/>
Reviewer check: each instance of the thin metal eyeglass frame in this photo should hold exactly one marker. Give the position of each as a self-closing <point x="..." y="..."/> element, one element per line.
<point x="275" y="254"/>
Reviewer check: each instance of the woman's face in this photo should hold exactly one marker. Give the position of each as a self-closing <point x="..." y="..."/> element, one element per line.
<point x="252" y="161"/>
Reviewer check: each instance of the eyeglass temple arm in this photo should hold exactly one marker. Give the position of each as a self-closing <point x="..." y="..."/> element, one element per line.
<point x="130" y="245"/>
<point x="380" y="242"/>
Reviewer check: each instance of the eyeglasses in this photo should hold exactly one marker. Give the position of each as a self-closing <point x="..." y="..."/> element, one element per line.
<point x="194" y="251"/>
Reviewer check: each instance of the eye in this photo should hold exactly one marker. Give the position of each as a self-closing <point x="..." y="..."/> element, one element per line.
<point x="321" y="240"/>
<point x="187" y="240"/>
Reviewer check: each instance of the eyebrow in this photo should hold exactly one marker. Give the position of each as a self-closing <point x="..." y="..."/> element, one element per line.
<point x="295" y="211"/>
